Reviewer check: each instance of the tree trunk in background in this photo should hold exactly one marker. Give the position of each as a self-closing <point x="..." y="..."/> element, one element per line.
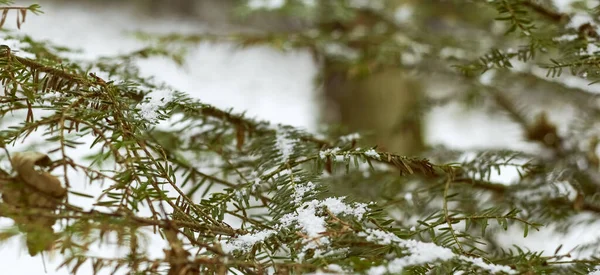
<point x="384" y="104"/>
<point x="215" y="12"/>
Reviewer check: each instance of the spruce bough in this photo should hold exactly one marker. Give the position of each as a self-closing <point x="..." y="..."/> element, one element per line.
<point x="228" y="193"/>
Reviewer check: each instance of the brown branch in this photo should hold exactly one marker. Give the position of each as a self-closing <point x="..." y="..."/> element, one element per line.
<point x="10" y="211"/>
<point x="14" y="8"/>
<point x="546" y="12"/>
<point x="239" y="120"/>
<point x="585" y="30"/>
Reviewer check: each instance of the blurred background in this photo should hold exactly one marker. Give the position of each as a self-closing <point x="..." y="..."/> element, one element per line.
<point x="304" y="86"/>
<point x="294" y="87"/>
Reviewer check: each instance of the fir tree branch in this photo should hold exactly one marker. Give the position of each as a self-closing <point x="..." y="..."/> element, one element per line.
<point x="118" y="217"/>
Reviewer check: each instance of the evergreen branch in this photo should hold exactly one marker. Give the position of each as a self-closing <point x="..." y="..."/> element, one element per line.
<point x="243" y="124"/>
<point x="216" y="264"/>
<point x="447" y="216"/>
<point x="512" y="11"/>
<point x="272" y="177"/>
<point x="57" y="79"/>
<point x="116" y="217"/>
<point x="21" y="13"/>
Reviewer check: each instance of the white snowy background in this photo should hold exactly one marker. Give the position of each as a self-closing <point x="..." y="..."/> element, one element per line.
<point x="267" y="84"/>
